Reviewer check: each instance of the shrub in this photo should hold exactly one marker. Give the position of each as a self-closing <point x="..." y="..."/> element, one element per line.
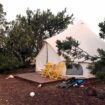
<point x="9" y="61"/>
<point x="97" y="67"/>
<point x="100" y="75"/>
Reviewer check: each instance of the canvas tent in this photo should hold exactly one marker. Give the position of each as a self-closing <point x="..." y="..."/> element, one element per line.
<point x="89" y="42"/>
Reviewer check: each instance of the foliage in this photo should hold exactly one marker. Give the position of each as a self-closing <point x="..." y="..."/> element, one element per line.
<point x="45" y="24"/>
<point x="70" y="50"/>
<point x="102" y="29"/>
<point x="98" y="67"/>
<point x="28" y="32"/>
<point x="100" y="75"/>
<point x="3" y="27"/>
<point x="67" y="44"/>
<point x="8" y="61"/>
<point x="21" y="40"/>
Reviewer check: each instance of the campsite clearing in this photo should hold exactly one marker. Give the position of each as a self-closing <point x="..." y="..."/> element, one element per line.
<point x="15" y="91"/>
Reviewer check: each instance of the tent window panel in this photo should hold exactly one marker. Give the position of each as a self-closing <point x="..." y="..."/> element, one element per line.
<point x="74" y="70"/>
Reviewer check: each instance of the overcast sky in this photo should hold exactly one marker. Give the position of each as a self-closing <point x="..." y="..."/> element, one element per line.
<point x="89" y="11"/>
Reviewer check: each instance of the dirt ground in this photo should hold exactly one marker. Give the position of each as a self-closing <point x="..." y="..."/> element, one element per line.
<point x="16" y="92"/>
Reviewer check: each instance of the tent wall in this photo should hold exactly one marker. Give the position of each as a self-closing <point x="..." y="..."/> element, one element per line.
<point x="88" y="40"/>
<point x="86" y="71"/>
<point x="47" y="54"/>
<point x="41" y="58"/>
<point x="55" y="58"/>
<point x="52" y="55"/>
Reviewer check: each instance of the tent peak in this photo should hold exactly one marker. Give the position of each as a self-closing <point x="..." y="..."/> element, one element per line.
<point x="81" y="22"/>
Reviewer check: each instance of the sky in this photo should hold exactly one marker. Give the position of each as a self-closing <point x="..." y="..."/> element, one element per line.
<point x="90" y="12"/>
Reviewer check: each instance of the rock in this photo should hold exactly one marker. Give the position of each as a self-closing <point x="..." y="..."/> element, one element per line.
<point x="82" y="86"/>
<point x="32" y="94"/>
<point x="75" y="85"/>
<point x="10" y="76"/>
<point x="40" y="85"/>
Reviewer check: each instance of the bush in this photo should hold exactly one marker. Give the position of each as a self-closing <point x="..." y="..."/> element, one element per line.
<point x="9" y="61"/>
<point x="98" y="68"/>
<point x="100" y="75"/>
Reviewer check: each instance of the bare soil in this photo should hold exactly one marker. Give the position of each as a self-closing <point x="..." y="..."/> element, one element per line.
<point x="16" y="92"/>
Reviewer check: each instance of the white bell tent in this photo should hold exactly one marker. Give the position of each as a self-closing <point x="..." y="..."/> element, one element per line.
<point x="88" y="40"/>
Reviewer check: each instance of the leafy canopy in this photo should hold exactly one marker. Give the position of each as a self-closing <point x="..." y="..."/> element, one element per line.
<point x="3" y="27"/>
<point x="45" y="24"/>
<point x="102" y="29"/>
<point x="28" y="32"/>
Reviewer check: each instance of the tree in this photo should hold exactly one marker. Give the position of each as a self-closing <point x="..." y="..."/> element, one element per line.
<point x="98" y="67"/>
<point x="3" y="27"/>
<point x="20" y="39"/>
<point x="45" y="24"/>
<point x="7" y="58"/>
<point x="102" y="29"/>
<point x="28" y="32"/>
